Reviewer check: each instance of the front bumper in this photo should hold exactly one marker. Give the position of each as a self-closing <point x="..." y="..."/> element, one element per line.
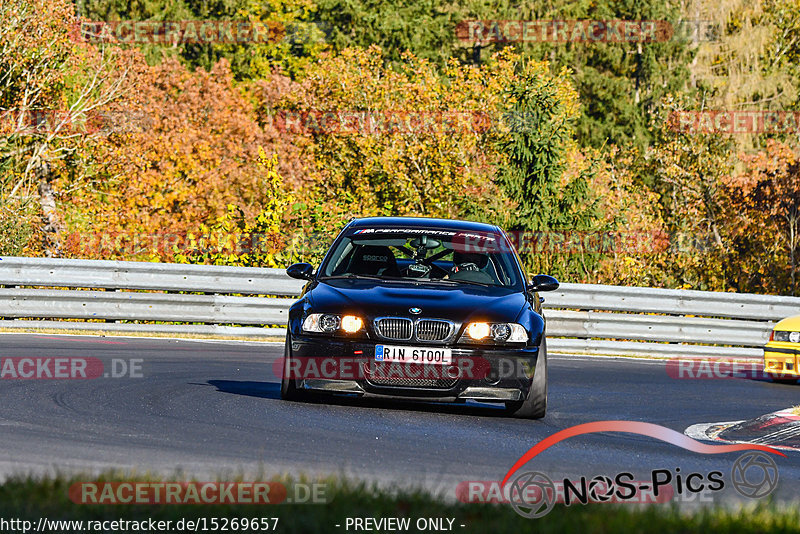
<point x="782" y="357"/>
<point x="342" y="366"/>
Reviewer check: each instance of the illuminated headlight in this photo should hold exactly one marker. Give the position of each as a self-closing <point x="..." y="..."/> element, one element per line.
<point x="352" y="324"/>
<point x="478" y="331"/>
<point x="498" y="332"/>
<point x="328" y="323"/>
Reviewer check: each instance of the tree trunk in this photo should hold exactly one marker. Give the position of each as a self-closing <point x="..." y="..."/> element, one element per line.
<point x="51" y="223"/>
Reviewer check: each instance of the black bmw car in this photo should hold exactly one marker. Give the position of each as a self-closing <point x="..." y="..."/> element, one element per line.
<point x="418" y="308"/>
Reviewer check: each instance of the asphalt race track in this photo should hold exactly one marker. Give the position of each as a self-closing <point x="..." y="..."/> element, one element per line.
<point x="212" y="409"/>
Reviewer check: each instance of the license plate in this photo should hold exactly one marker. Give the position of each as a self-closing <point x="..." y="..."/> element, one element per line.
<point x="426" y="355"/>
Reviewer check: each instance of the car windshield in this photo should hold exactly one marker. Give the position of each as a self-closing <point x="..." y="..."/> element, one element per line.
<point x="442" y="256"/>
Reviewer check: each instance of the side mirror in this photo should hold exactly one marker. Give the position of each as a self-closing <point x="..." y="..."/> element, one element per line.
<point x="301" y="271"/>
<point x="543" y="282"/>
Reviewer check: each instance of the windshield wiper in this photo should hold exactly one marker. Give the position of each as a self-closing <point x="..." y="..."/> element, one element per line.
<point x="471" y="282"/>
<point x="353" y="276"/>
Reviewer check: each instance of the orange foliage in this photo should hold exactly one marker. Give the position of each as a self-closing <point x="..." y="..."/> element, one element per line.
<point x="765" y="205"/>
<point x="195" y="152"/>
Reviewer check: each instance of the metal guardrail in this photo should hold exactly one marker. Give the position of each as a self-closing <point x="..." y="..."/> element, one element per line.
<point x="591" y="324"/>
<point x="214" y="309"/>
<point x="100" y="274"/>
<point x="674" y="302"/>
<point x="582" y="318"/>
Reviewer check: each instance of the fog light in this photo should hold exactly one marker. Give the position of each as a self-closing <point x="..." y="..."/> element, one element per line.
<point x="352" y="324"/>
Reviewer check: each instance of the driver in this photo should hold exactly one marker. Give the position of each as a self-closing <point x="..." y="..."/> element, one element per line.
<point x="469" y="267"/>
<point x="469" y="261"/>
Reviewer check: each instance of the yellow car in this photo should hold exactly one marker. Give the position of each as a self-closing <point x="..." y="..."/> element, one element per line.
<point x="782" y="353"/>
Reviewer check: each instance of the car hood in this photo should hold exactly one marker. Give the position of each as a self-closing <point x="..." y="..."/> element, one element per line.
<point x="461" y="303"/>
<point x="790" y="323"/>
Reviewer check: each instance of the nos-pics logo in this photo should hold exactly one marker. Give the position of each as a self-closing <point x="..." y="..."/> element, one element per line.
<point x="533" y="494"/>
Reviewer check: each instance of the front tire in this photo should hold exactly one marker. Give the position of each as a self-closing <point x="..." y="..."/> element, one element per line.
<point x="289" y="389"/>
<point x="535" y="404"/>
<point x="787" y="381"/>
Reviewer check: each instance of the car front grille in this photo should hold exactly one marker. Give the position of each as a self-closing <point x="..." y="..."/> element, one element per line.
<point x="404" y="329"/>
<point x="433" y="330"/>
<point x="396" y="328"/>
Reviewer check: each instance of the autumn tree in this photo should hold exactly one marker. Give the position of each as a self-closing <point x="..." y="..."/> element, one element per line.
<point x="765" y="199"/>
<point x="196" y="154"/>
<point x="687" y="169"/>
<point x="403" y="139"/>
<point x="232" y="239"/>
<point x="289" y="38"/>
<point x="634" y="248"/>
<point x="620" y="83"/>
<point x="51" y="89"/>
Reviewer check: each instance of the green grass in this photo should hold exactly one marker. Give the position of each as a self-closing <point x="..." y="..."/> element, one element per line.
<point x="32" y="498"/>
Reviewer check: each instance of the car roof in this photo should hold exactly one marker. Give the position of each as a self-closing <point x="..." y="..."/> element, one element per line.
<point x="422" y="222"/>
